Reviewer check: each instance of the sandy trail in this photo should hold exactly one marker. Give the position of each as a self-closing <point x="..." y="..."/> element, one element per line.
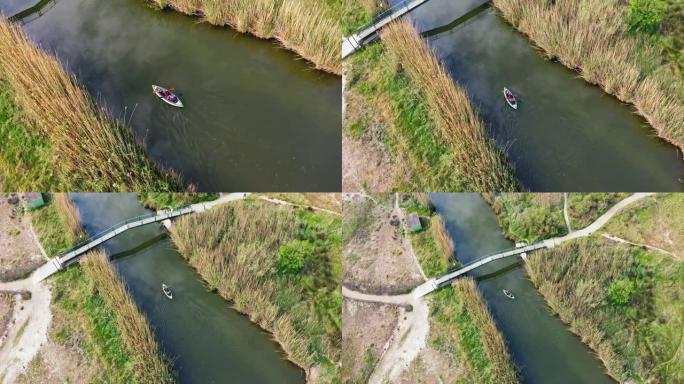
<point x="28" y="328"/>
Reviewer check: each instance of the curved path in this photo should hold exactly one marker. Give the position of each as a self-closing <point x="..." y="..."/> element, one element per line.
<point x="410" y="335"/>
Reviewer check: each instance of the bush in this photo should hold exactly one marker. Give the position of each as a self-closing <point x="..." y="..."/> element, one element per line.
<point x="646" y="15"/>
<point x="292" y="256"/>
<point x="620" y="292"/>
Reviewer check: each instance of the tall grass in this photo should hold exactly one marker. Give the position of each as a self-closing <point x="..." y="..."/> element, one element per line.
<point x="235" y="249"/>
<point x="91" y="151"/>
<point x="310" y="28"/>
<point x="460" y="317"/>
<point x="69" y="214"/>
<point x="592" y="36"/>
<point x="624" y="302"/>
<point x="149" y="363"/>
<point x="476" y="160"/>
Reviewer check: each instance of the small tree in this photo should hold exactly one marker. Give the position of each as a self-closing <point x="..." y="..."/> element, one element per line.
<point x="620" y="292"/>
<point x="292" y="257"/>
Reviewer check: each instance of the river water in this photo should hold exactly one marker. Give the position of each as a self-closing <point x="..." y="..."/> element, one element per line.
<point x="209" y="341"/>
<point x="257" y="116"/>
<point x="539" y="343"/>
<point x="566" y="135"/>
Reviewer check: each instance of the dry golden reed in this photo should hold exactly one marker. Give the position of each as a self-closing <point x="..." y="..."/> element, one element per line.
<point x="592" y="37"/>
<point x="306" y="27"/>
<point x="150" y="364"/>
<point x="478" y="162"/>
<point x="92" y="151"/>
<point x="492" y="341"/>
<point x="69" y="214"/>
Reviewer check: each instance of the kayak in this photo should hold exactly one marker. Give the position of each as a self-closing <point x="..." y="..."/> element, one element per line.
<point x="168" y="96"/>
<point x="167" y="291"/>
<point x="510" y="98"/>
<point x="508" y="294"/>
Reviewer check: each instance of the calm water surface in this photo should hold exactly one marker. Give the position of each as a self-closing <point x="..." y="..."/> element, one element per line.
<point x="257" y="117"/>
<point x="566" y="135"/>
<point x="539" y="343"/>
<point x="211" y="342"/>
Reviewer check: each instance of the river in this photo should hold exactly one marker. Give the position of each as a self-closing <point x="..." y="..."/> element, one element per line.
<point x="208" y="340"/>
<point x="540" y="344"/>
<point x="567" y="135"/>
<point x="257" y="116"/>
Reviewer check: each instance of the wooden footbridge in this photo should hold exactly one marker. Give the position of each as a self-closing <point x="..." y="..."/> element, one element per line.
<point x="436" y="283"/>
<point x="62" y="261"/>
<point x="368" y="32"/>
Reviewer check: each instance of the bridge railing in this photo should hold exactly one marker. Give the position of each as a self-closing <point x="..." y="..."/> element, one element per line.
<point x="384" y="14"/>
<point x="104" y="232"/>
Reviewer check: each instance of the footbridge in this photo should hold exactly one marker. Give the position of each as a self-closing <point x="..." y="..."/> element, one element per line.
<point x="439" y="282"/>
<point x="368" y="32"/>
<point x="62" y="261"/>
<point x="35" y="11"/>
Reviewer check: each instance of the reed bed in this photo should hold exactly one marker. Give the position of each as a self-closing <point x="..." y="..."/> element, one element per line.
<point x="460" y="317"/>
<point x="149" y="363"/>
<point x="69" y="214"/>
<point x="91" y="151"/>
<point x="624" y="302"/>
<point x="592" y="37"/>
<point x="235" y="249"/>
<point x="477" y="162"/>
<point x="309" y="28"/>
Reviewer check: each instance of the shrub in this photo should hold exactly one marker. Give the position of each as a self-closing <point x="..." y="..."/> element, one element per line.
<point x="620" y="292"/>
<point x="646" y="15"/>
<point x="292" y="256"/>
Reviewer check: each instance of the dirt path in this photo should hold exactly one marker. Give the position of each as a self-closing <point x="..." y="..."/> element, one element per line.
<point x="602" y="220"/>
<point x="408" y="337"/>
<point x="565" y="212"/>
<point x="28" y="328"/>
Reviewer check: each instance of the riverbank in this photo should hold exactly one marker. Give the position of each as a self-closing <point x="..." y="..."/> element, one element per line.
<point x="70" y="142"/>
<point x="622" y="292"/>
<point x="623" y="301"/>
<point x="448" y="336"/>
<point x="531" y="217"/>
<point x="294" y="295"/>
<point x="401" y="104"/>
<point x="596" y="39"/>
<point x="311" y="29"/>
<point x="97" y="332"/>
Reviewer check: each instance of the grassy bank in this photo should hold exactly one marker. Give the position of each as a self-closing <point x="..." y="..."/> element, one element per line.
<point x="433" y="245"/>
<point x="606" y="42"/>
<point x="656" y="221"/>
<point x="93" y="312"/>
<point x="279" y="265"/>
<point x="160" y="200"/>
<point x="627" y="304"/>
<point x="56" y="224"/>
<point x="531" y="217"/>
<point x="72" y="143"/>
<point x="310" y="28"/>
<point x="462" y="328"/>
<point x="25" y="158"/>
<point x="400" y="97"/>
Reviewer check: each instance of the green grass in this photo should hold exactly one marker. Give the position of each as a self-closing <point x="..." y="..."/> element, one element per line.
<point x="411" y="133"/>
<point x="462" y="328"/>
<point x="656" y="221"/>
<point x="584" y="208"/>
<point x="89" y="324"/>
<point x="529" y="217"/>
<point x="626" y="303"/>
<point x="51" y="228"/>
<point x="26" y="157"/>
<point x="20" y="332"/>
<point x="160" y="200"/>
<point x="235" y="249"/>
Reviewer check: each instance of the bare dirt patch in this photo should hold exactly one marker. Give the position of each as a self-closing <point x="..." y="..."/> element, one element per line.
<point x="376" y="257"/>
<point x="367" y="329"/>
<point x="19" y="254"/>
